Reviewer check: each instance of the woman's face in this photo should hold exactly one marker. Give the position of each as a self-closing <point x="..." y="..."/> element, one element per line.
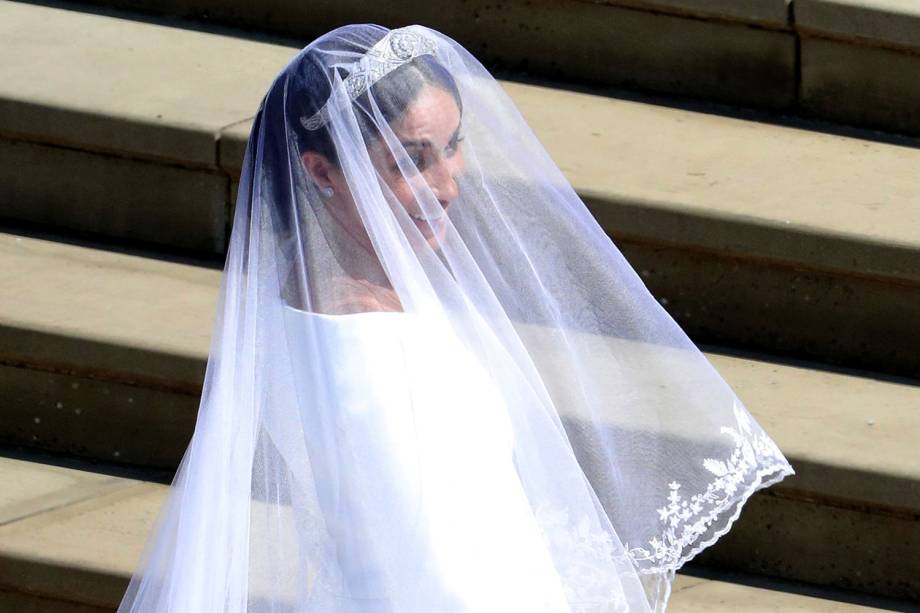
<point x="429" y="131"/>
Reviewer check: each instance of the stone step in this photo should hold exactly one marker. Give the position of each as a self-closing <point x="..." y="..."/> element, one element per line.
<point x="102" y="355"/>
<point x="111" y="126"/>
<point x="851" y="61"/>
<point x="776" y="237"/>
<point x="70" y="539"/>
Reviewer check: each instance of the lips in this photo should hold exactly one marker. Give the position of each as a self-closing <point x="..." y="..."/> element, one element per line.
<point x="430" y="227"/>
<point x="429" y="218"/>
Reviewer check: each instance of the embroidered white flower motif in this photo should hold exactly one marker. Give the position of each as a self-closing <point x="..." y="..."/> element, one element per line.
<point x="592" y="559"/>
<point x="685" y="520"/>
<point x="587" y="558"/>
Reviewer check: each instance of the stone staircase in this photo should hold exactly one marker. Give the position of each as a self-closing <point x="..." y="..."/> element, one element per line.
<point x="790" y="249"/>
<point x="849" y="61"/>
<point x="71" y="537"/>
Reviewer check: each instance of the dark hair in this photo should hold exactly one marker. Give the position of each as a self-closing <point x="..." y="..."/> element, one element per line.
<point x="393" y="93"/>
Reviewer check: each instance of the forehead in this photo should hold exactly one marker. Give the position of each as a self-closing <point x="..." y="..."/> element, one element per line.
<point x="433" y="115"/>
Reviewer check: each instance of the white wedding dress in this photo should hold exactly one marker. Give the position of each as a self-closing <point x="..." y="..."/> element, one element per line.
<point x="425" y="464"/>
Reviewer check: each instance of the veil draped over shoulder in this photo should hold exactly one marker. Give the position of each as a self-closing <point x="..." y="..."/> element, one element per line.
<point x="435" y="384"/>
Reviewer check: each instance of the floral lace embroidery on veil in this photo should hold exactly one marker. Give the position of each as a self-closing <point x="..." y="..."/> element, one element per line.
<point x="588" y="583"/>
<point x="687" y="519"/>
<point x="684" y="520"/>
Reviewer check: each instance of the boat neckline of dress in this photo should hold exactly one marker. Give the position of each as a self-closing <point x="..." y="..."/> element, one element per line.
<point x="343" y="316"/>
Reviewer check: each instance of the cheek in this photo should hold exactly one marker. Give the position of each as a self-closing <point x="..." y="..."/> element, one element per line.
<point x="402" y="190"/>
<point x="393" y="179"/>
<point x="459" y="164"/>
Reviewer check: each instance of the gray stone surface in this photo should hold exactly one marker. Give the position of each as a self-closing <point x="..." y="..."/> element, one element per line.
<point x="81" y="554"/>
<point x="737" y="52"/>
<point x="742" y="187"/>
<point x="30" y="488"/>
<point x="773" y="13"/>
<point x="127" y="87"/>
<point x="859" y="85"/>
<point x="115" y="197"/>
<point x="233" y="147"/>
<point x="878" y="22"/>
<point x="570" y="38"/>
<point x="745" y="593"/>
<point x="609" y="45"/>
<point x="854" y="435"/>
<point x="825" y="543"/>
<point x="95" y="418"/>
<point x="849" y="436"/>
<point x="30" y="603"/>
<point x="105" y="315"/>
<point x="836" y="318"/>
<point x="678" y="159"/>
<point x="738" y="187"/>
<point x="102" y="354"/>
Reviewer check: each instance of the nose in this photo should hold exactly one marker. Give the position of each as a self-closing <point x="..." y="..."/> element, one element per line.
<point x="442" y="182"/>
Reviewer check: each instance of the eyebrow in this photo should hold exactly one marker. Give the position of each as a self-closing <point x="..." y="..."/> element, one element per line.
<point x="426" y="142"/>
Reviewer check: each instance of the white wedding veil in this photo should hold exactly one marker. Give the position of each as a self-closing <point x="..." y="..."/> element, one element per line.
<point x="433" y="376"/>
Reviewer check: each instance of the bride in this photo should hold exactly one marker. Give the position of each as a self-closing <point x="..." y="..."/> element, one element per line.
<point x="434" y="384"/>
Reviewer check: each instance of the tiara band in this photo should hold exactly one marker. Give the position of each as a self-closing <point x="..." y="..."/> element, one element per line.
<point x="398" y="47"/>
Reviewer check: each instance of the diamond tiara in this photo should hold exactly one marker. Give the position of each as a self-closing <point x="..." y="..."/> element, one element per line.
<point x="398" y="47"/>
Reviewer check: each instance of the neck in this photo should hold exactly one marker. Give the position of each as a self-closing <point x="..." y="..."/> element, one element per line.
<point x="362" y="278"/>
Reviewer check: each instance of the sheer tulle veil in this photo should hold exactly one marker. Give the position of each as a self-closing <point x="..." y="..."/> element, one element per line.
<point x="434" y="383"/>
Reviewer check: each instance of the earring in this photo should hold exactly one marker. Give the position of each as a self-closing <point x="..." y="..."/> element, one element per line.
<point x="326" y="192"/>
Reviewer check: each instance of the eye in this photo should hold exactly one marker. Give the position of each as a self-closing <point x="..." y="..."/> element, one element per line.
<point x="452" y="147"/>
<point x="415" y="155"/>
<point x="418" y="158"/>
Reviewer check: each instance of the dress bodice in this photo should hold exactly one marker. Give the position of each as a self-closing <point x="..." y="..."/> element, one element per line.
<point x="377" y="361"/>
<point x="416" y="468"/>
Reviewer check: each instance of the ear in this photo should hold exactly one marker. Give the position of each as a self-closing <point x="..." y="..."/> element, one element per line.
<point x="319" y="168"/>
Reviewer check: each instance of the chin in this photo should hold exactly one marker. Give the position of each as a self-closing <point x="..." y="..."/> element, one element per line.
<point x="433" y="236"/>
